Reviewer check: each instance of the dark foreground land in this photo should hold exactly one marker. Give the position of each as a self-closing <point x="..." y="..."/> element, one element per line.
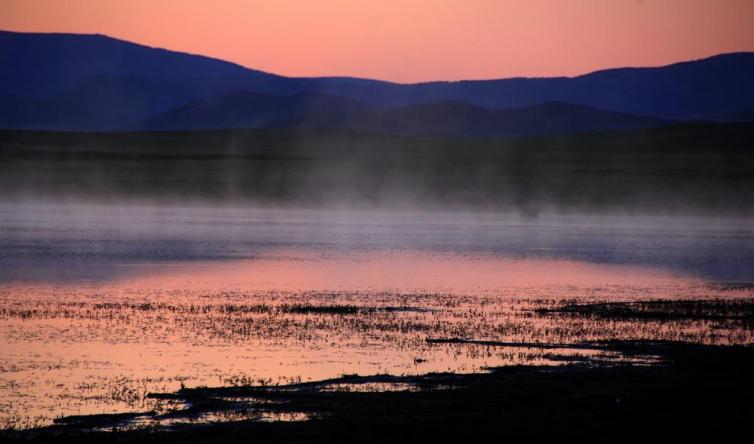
<point x="697" y="168"/>
<point x="698" y="393"/>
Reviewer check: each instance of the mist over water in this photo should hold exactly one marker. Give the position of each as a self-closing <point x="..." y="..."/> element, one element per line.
<point x="191" y="250"/>
<point x="90" y="238"/>
<point x="141" y="263"/>
<point x="703" y="170"/>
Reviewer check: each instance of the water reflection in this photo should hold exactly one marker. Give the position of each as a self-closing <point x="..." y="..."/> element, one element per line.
<point x="85" y="347"/>
<point x="34" y="239"/>
<point x="99" y="308"/>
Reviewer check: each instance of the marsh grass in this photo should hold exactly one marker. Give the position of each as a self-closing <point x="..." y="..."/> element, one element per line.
<point x="400" y="333"/>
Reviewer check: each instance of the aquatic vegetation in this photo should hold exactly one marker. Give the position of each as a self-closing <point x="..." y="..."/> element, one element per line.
<point x="69" y="349"/>
<point x="709" y="310"/>
<point x="166" y="308"/>
<point x="402" y="399"/>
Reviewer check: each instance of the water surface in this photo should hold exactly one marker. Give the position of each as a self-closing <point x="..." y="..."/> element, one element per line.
<point x="101" y="305"/>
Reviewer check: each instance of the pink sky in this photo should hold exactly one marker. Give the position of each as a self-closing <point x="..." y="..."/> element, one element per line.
<point x="410" y="40"/>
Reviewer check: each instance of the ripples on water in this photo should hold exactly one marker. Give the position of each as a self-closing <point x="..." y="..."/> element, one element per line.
<point x="101" y="306"/>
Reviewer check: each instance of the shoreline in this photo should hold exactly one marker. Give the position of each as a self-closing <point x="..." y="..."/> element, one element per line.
<point x="693" y="382"/>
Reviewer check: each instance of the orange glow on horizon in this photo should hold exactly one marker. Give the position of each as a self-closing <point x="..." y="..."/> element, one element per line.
<point x="412" y="40"/>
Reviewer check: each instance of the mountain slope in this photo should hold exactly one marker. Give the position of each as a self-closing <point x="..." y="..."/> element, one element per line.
<point x="314" y="110"/>
<point x="258" y="110"/>
<point x="459" y="119"/>
<point x="94" y="82"/>
<point x="694" y="90"/>
<point x="38" y="64"/>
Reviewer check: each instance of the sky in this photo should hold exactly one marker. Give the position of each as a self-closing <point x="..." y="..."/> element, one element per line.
<point x="410" y="40"/>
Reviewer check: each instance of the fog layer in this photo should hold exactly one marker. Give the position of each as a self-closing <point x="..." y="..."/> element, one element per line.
<point x="691" y="169"/>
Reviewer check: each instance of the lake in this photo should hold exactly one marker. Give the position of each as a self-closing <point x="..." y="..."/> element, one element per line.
<point x="101" y="305"/>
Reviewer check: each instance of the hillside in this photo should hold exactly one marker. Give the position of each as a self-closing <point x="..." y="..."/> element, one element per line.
<point x="94" y="82"/>
<point x="454" y="119"/>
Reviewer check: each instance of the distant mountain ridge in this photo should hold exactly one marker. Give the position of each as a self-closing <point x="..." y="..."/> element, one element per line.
<point x="94" y="82"/>
<point x="37" y="64"/>
<point x="455" y="119"/>
<point x="258" y="110"/>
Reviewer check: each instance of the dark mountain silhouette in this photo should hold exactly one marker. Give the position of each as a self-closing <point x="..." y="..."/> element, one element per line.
<point x="38" y="64"/>
<point x="94" y="82"/>
<point x="315" y="110"/>
<point x="695" y="90"/>
<point x="459" y="119"/>
<point x="101" y="103"/>
<point x="258" y="110"/>
<point x="743" y="116"/>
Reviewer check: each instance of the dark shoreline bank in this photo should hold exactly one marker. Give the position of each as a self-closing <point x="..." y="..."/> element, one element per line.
<point x="679" y="169"/>
<point x="698" y="392"/>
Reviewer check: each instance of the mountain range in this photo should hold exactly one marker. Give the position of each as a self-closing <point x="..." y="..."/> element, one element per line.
<point x="98" y="83"/>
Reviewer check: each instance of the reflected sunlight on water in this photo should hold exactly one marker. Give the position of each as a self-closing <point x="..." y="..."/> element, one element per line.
<point x="89" y="347"/>
<point x="99" y="308"/>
